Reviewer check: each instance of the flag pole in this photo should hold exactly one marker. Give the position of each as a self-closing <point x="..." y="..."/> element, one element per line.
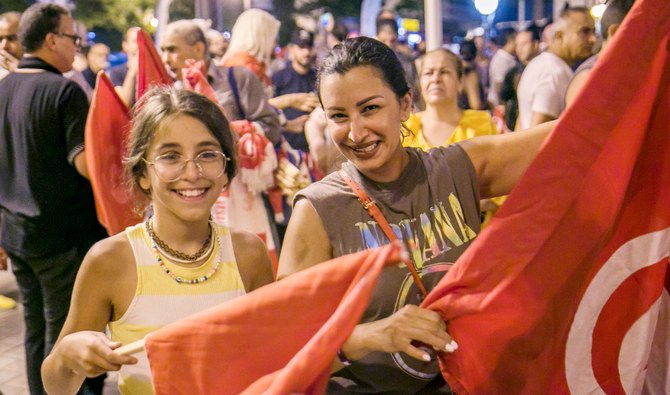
<point x="131" y="348"/>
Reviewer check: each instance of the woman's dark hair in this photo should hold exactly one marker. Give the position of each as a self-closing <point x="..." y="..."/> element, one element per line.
<point x="158" y="106"/>
<point x="339" y="31"/>
<point x="468" y="50"/>
<point x="365" y="51"/>
<point x="38" y="21"/>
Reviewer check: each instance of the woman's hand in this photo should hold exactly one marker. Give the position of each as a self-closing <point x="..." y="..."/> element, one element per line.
<point x="397" y="332"/>
<point x="91" y="353"/>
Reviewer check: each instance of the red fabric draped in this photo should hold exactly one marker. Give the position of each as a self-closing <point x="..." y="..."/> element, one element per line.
<point x="107" y="128"/>
<point x="195" y="79"/>
<point x="151" y="70"/>
<point x="281" y="338"/>
<point x="257" y="67"/>
<point x="566" y="291"/>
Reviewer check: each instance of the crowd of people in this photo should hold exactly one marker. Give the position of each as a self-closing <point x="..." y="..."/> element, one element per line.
<point x="434" y="141"/>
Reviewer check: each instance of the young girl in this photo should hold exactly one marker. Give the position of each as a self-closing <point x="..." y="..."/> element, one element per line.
<point x="429" y="199"/>
<point x="178" y="262"/>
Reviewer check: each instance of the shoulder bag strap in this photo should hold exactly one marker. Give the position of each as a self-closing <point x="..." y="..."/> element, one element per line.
<point x="236" y="92"/>
<point x="377" y="215"/>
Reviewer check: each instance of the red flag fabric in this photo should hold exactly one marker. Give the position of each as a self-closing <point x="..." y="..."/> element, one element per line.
<point x="150" y="70"/>
<point x="107" y="128"/>
<point x="279" y="339"/>
<point x="195" y="79"/>
<point x="566" y="291"/>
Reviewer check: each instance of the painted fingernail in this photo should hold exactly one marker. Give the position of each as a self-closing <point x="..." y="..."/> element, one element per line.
<point x="426" y="357"/>
<point x="451" y="346"/>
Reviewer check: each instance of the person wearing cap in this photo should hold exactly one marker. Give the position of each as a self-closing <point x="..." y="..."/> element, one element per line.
<point x="294" y="88"/>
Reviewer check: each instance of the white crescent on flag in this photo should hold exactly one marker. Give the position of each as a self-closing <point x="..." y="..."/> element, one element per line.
<point x="632" y="257"/>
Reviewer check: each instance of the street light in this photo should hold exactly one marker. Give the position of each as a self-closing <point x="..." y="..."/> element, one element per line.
<point x="598" y="10"/>
<point x="486" y="7"/>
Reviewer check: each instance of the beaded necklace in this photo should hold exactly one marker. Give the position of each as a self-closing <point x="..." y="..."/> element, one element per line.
<point x="178" y="254"/>
<point x="184" y="261"/>
<point x="181" y="279"/>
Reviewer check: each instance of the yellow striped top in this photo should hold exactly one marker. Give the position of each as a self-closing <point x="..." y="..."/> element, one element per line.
<point x="160" y="300"/>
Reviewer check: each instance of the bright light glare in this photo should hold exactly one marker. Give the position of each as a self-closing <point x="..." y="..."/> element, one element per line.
<point x="486" y="7"/>
<point x="598" y="10"/>
<point x="413" y="38"/>
<point x="154" y="22"/>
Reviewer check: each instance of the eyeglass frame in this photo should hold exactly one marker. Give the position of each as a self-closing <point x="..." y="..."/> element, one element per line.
<point x="185" y="163"/>
<point x="76" y="39"/>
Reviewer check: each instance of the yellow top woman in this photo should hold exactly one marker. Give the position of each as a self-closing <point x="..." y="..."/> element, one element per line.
<point x="443" y="122"/>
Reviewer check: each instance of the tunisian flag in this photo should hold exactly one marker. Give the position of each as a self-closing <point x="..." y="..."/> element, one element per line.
<point x="567" y="290"/>
<point x="107" y="128"/>
<point x="150" y="70"/>
<point x="281" y="338"/>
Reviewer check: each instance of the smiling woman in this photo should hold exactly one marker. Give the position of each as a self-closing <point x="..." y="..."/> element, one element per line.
<point x="176" y="263"/>
<point x="429" y="200"/>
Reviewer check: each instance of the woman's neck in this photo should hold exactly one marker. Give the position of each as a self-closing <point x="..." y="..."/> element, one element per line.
<point x="390" y="171"/>
<point x="439" y="122"/>
<point x="447" y="112"/>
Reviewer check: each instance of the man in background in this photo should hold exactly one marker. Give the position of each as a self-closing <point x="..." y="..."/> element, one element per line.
<point x="217" y="44"/>
<point x="124" y="76"/>
<point x="527" y="48"/>
<point x="294" y="88"/>
<point x="545" y="80"/>
<point x="502" y="62"/>
<point x="97" y="58"/>
<point x="10" y="47"/>
<point x="48" y="212"/>
<point x="612" y="18"/>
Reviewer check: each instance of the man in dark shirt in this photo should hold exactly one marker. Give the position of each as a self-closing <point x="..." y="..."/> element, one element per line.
<point x="294" y="88"/>
<point x="124" y="76"/>
<point x="97" y="56"/>
<point x="49" y="220"/>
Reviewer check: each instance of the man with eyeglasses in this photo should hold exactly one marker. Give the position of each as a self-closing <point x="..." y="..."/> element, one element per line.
<point x="10" y="47"/>
<point x="49" y="219"/>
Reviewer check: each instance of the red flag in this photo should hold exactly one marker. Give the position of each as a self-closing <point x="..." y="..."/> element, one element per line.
<point x="107" y="128"/>
<point x="281" y="338"/>
<point x="151" y="70"/>
<point x="194" y="78"/>
<point x="567" y="290"/>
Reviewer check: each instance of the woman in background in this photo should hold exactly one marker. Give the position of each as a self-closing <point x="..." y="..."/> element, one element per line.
<point x="252" y="42"/>
<point x="444" y="122"/>
<point x="473" y="95"/>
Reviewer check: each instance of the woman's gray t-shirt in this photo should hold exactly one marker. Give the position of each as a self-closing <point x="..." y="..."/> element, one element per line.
<point x="433" y="207"/>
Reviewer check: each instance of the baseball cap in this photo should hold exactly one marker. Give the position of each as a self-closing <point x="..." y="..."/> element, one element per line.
<point x="302" y="38"/>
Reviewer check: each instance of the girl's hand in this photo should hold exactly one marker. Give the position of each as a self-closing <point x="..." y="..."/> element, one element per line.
<point x="91" y="353"/>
